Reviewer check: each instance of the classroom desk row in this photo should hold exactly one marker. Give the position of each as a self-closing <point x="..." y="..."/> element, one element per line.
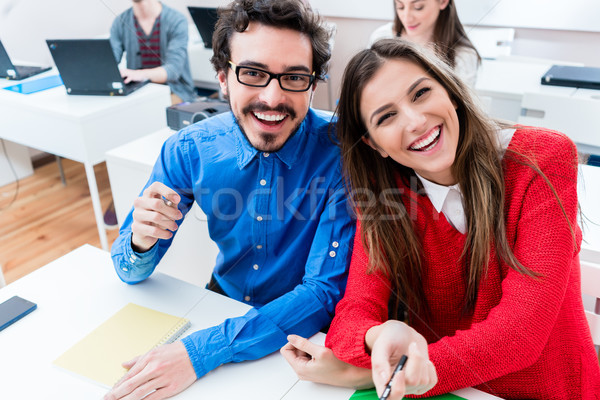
<point x="80" y="290"/>
<point x="81" y="128"/>
<point x="510" y="88"/>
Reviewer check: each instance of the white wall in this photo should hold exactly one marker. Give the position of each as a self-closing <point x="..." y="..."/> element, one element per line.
<point x="578" y="15"/>
<point x="25" y="24"/>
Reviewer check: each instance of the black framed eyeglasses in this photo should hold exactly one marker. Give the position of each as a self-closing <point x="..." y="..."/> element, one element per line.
<point x="256" y="77"/>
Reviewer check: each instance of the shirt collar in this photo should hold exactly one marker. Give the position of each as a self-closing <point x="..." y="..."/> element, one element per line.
<point x="437" y="193"/>
<point x="244" y="151"/>
<point x="288" y="154"/>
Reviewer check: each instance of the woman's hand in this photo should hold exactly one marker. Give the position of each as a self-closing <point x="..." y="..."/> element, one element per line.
<point x="388" y="342"/>
<point x="315" y="363"/>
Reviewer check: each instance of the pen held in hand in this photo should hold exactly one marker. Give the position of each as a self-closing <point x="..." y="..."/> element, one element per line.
<point x="167" y="202"/>
<point x="388" y="387"/>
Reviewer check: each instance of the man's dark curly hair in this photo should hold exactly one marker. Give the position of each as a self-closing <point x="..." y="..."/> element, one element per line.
<point x="290" y="14"/>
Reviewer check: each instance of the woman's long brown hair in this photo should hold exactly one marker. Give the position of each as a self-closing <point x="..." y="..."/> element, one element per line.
<point x="448" y="34"/>
<point x="387" y="231"/>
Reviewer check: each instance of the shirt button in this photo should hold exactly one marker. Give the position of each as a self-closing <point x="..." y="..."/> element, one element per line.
<point x="259" y="218"/>
<point x="335" y="244"/>
<point x="263" y="182"/>
<point x="247" y="298"/>
<point x="259" y="246"/>
<point x="266" y="155"/>
<point x="332" y="253"/>
<point x="255" y="266"/>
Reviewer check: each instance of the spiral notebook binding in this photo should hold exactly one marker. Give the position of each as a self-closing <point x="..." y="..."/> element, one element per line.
<point x="175" y="333"/>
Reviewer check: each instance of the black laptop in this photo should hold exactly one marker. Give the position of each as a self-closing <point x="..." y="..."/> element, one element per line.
<point x="88" y="67"/>
<point x="16" y="72"/>
<point x="578" y="77"/>
<point x="205" y="19"/>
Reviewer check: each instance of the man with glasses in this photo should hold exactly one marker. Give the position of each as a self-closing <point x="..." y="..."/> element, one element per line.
<point x="268" y="176"/>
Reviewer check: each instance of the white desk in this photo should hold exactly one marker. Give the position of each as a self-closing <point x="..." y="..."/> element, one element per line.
<point x="80" y="290"/>
<point x="192" y="254"/>
<point x="129" y="167"/>
<point x="203" y="73"/>
<point x="516" y="94"/>
<point x="506" y="81"/>
<point x="16" y="165"/>
<point x="81" y="128"/>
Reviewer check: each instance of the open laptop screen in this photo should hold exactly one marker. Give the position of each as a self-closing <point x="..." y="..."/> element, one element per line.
<point x="87" y="66"/>
<point x="205" y="19"/>
<point x="16" y="72"/>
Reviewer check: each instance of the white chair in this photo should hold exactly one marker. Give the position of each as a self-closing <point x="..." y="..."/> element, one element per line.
<point x="577" y="117"/>
<point x="491" y="42"/>
<point x="590" y="286"/>
<point x="2" y="280"/>
<point x="537" y="60"/>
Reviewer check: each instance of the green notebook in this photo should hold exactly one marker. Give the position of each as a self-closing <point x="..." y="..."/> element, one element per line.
<point x="370" y="394"/>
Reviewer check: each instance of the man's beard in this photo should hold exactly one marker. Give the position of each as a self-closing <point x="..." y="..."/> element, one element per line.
<point x="267" y="139"/>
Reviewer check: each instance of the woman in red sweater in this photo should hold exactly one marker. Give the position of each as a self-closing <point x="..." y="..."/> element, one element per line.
<point x="467" y="237"/>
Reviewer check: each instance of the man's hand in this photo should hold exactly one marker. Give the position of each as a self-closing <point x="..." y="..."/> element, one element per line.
<point x="315" y="363"/>
<point x="164" y="371"/>
<point x="153" y="218"/>
<point x="134" y="75"/>
<point x="155" y="75"/>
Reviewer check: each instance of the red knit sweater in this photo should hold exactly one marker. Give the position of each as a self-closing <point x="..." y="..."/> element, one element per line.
<point x="527" y="339"/>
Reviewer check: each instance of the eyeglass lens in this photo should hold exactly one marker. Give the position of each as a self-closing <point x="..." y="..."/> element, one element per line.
<point x="254" y="77"/>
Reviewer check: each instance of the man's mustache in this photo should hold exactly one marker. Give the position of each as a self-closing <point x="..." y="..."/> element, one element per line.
<point x="261" y="107"/>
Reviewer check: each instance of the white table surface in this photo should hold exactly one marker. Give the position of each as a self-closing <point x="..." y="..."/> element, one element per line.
<point x="80" y="290"/>
<point x="510" y="79"/>
<point x="502" y="83"/>
<point x="510" y="88"/>
<point x="203" y="73"/>
<point x="81" y="128"/>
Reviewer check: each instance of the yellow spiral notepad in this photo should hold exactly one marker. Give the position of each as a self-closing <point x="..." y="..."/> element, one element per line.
<point x="132" y="331"/>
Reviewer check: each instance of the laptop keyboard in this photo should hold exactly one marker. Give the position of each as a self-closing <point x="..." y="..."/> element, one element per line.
<point x="25" y="69"/>
<point x="133" y="85"/>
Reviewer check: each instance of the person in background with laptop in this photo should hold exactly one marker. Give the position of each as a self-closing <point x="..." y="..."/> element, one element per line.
<point x="268" y="177"/>
<point x="154" y="38"/>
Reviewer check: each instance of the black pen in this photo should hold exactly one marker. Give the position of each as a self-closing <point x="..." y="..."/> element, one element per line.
<point x="388" y="387"/>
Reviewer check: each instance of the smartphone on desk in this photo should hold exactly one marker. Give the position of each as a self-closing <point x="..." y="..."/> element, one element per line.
<point x="14" y="309"/>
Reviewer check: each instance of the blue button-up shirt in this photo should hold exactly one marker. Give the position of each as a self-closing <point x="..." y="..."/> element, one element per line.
<point x="280" y="220"/>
